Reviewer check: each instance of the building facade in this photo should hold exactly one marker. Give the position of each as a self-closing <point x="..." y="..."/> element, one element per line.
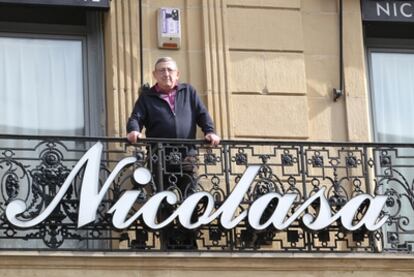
<point x="317" y="92"/>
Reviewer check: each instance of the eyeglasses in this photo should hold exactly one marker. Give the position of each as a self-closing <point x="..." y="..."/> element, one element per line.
<point x="165" y="69"/>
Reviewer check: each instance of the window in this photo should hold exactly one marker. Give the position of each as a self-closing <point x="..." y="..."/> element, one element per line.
<point x="51" y="71"/>
<point x="392" y="94"/>
<point x="51" y="83"/>
<point x="392" y="102"/>
<point x="42" y="83"/>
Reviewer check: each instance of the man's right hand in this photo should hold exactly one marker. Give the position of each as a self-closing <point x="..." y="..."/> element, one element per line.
<point x="133" y="136"/>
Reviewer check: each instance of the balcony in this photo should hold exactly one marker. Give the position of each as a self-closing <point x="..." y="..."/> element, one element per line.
<point x="35" y="169"/>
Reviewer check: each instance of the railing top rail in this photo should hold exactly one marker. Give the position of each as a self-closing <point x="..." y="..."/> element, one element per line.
<point x="201" y="141"/>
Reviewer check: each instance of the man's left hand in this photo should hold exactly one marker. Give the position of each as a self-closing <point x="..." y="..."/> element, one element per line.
<point x="213" y="139"/>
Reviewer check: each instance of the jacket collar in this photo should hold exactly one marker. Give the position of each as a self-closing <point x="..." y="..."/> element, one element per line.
<point x="159" y="91"/>
<point x="153" y="91"/>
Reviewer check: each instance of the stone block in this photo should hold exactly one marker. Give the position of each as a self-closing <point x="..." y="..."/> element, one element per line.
<point x="319" y="6"/>
<point x="358" y="119"/>
<point x="195" y="71"/>
<point x="321" y="33"/>
<point x="268" y="29"/>
<point x="327" y="120"/>
<point x="247" y="72"/>
<point x="322" y="73"/>
<point x="267" y="72"/>
<point x="193" y="28"/>
<point x="270" y="116"/>
<point x="285" y="72"/>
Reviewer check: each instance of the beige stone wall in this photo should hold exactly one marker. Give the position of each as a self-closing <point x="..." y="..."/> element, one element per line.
<point x="356" y="99"/>
<point x="122" y="62"/>
<point x="267" y="79"/>
<point x="226" y="265"/>
<point x="266" y="69"/>
<point x="257" y="46"/>
<point x="321" y="30"/>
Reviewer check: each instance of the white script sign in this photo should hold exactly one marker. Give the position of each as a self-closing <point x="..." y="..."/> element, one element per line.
<point x="91" y="197"/>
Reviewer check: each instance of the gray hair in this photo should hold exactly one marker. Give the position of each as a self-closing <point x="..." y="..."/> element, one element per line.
<point x="165" y="60"/>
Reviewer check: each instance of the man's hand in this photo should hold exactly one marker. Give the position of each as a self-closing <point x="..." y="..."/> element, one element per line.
<point x="213" y="139"/>
<point x="133" y="136"/>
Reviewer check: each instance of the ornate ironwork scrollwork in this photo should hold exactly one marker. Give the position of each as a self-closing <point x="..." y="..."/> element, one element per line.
<point x="34" y="171"/>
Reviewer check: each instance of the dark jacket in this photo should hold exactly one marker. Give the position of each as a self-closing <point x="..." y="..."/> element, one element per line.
<point x="154" y="113"/>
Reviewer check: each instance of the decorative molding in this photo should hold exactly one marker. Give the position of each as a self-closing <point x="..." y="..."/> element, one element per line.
<point x="216" y="54"/>
<point x="122" y="59"/>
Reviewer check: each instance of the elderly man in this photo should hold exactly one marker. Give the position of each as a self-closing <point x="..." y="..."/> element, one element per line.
<point x="170" y="109"/>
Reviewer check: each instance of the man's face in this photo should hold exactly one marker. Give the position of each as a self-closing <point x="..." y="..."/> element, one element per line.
<point x="166" y="74"/>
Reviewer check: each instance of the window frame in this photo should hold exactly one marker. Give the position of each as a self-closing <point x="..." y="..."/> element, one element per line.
<point x="382" y="45"/>
<point x="91" y="36"/>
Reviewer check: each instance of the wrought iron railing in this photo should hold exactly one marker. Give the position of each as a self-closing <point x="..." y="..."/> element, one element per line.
<point x="34" y="169"/>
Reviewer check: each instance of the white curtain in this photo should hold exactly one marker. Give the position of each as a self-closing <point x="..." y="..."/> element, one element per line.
<point x="393" y="96"/>
<point x="41" y="86"/>
<point x="41" y="93"/>
<point x="392" y="81"/>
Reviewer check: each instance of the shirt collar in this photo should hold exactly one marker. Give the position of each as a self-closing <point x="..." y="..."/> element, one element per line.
<point x="158" y="89"/>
